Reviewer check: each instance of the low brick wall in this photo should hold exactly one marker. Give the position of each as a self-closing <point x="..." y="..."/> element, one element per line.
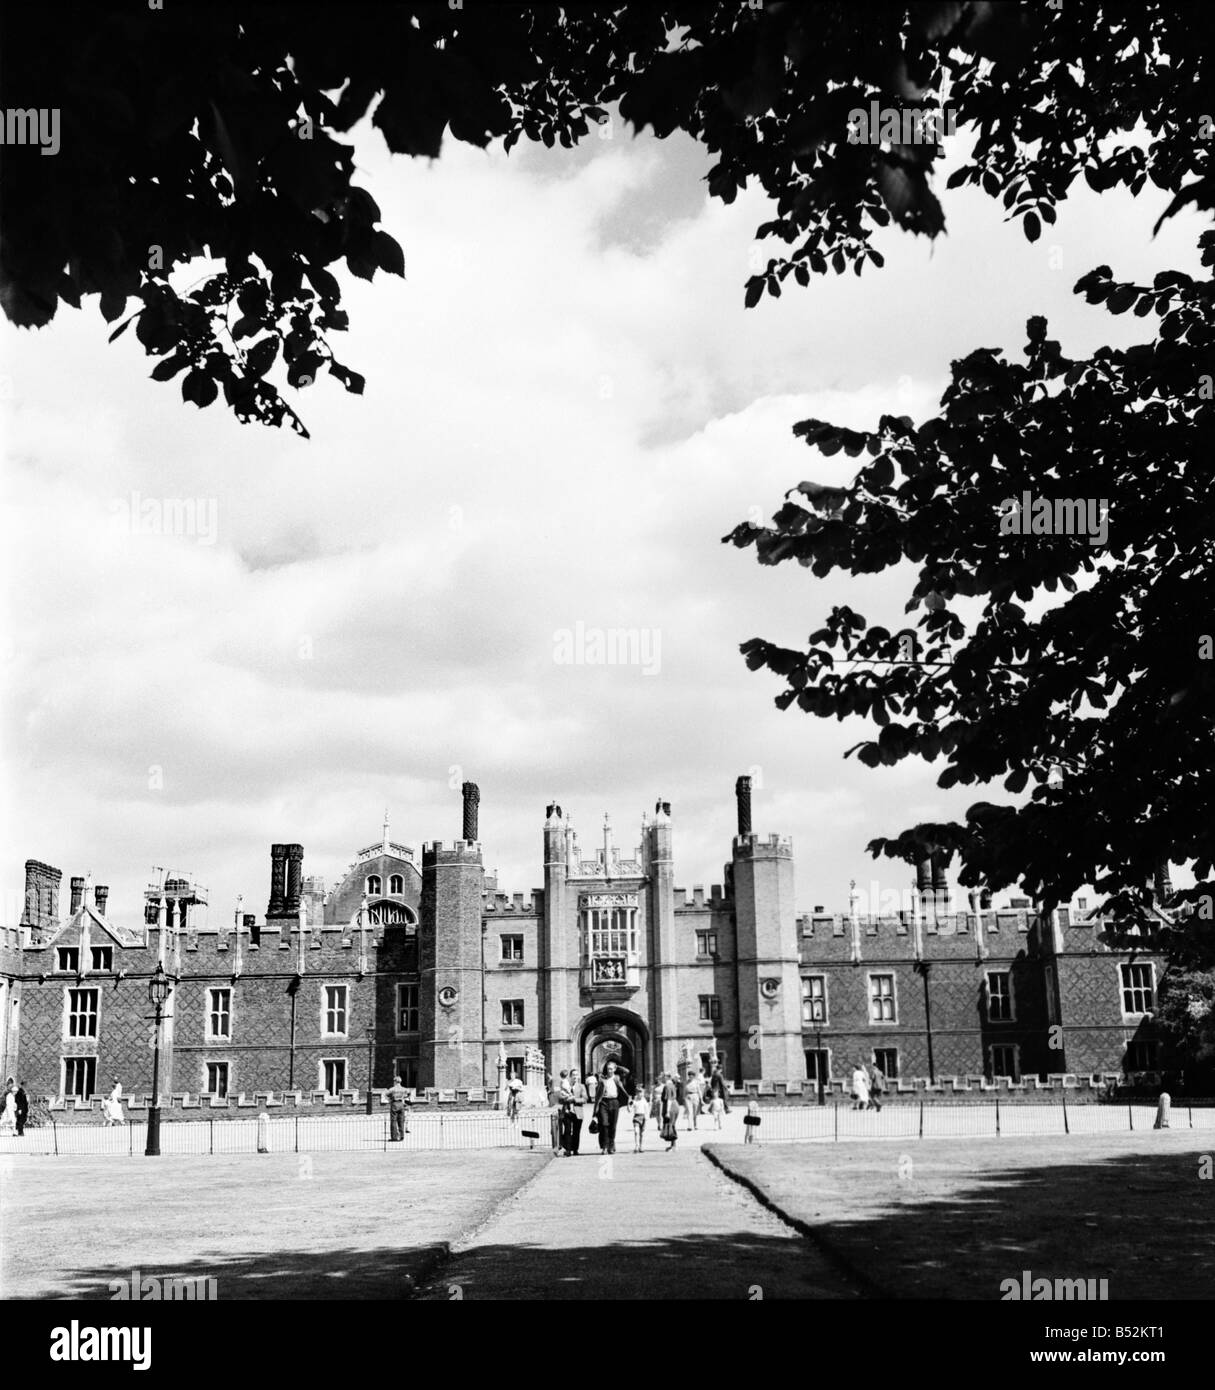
<point x="1076" y="1089"/>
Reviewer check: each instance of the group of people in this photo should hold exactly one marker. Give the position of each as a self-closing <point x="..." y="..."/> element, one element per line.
<point x="16" y="1107"/>
<point x="16" y="1110"/>
<point x="600" y="1099"/>
<point x="868" y="1085"/>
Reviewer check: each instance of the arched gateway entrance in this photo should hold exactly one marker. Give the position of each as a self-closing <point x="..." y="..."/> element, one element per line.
<point x="614" y="1035"/>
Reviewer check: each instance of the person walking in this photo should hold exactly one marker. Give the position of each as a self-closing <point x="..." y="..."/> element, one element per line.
<point x="611" y="1096"/>
<point x="877" y="1084"/>
<point x="113" y="1105"/>
<point x="670" y="1110"/>
<point x="514" y="1093"/>
<point x="719" y="1100"/>
<point x="694" y="1097"/>
<point x="398" y="1099"/>
<point x="860" y="1086"/>
<point x="22" y="1105"/>
<point x="8" y="1120"/>
<point x="579" y="1098"/>
<point x="640" y="1107"/>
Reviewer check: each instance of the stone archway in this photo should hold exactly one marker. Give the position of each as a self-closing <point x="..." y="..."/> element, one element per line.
<point x="616" y="1034"/>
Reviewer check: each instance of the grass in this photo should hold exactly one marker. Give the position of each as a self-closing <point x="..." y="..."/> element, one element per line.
<point x="952" y="1219"/>
<point x="270" y="1226"/>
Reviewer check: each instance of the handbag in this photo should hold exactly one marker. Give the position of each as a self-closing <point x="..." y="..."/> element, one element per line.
<point x="593" y="1127"/>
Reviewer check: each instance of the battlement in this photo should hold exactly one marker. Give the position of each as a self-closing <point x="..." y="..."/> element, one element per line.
<point x="458" y="852"/>
<point x="752" y="846"/>
<point x="718" y="898"/>
<point x="523" y="906"/>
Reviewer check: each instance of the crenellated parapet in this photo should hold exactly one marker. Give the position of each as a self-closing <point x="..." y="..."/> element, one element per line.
<point x="521" y="904"/>
<point x="457" y="852"/>
<point x="719" y="899"/>
<point x="763" y="847"/>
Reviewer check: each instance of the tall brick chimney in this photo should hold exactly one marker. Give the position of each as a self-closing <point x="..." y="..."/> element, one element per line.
<point x="940" y="879"/>
<point x="278" y="881"/>
<point x="472" y="802"/>
<point x="41" y="895"/>
<point x="923" y="876"/>
<point x="77" y="894"/>
<point x="295" y="876"/>
<point x="1162" y="882"/>
<point x="101" y="895"/>
<point x="742" y="793"/>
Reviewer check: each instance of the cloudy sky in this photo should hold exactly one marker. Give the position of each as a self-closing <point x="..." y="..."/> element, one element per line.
<point x="567" y="406"/>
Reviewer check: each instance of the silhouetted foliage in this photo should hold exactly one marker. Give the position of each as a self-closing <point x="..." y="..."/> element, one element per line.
<point x="212" y="130"/>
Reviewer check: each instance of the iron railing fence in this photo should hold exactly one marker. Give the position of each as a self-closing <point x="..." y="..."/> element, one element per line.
<point x="494" y="1129"/>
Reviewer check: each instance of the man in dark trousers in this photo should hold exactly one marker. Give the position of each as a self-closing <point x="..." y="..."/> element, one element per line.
<point x="398" y="1099"/>
<point x="574" y="1115"/>
<point x="22" y="1102"/>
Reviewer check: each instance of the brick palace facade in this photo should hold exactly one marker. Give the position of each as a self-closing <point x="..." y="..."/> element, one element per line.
<point x="608" y="959"/>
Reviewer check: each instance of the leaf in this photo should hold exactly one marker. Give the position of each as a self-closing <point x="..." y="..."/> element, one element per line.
<point x="198" y="387"/>
<point x="1033" y="228"/>
<point x="260" y="357"/>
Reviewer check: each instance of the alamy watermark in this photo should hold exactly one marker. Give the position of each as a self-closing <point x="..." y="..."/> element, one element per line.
<point x="167" y="516"/>
<point x="1041" y="1290"/>
<point x="908" y="125"/>
<point x="152" y="1287"/>
<point x="613" y="646"/>
<point x="1056" y="516"/>
<point x="33" y="126"/>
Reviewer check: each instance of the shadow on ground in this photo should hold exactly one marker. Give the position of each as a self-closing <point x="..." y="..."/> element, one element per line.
<point x="905" y="1226"/>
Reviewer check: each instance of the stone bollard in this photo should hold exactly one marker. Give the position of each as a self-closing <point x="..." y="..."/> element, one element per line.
<point x="263" y="1133"/>
<point x="1162" y="1111"/>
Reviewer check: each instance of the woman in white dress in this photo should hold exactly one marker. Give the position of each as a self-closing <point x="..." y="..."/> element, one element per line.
<point x="113" y="1106"/>
<point x="8" y="1120"/>
<point x="860" y="1087"/>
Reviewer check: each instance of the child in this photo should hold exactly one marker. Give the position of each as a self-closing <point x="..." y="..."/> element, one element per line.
<point x="751" y="1120"/>
<point x="717" y="1110"/>
<point x="640" y="1107"/>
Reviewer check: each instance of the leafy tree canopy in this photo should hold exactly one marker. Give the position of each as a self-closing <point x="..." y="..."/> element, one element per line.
<point x="216" y="130"/>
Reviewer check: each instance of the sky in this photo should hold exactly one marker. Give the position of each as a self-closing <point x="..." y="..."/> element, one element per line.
<point x="567" y="406"/>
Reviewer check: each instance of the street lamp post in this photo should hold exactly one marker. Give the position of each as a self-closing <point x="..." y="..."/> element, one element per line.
<point x="818" y="1063"/>
<point x="159" y="988"/>
<point x="370" y="1065"/>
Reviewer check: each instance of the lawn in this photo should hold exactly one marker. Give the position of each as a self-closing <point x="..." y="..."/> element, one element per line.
<point x="950" y="1219"/>
<point x="270" y="1226"/>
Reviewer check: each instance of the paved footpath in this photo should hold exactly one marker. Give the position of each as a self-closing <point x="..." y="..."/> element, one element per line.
<point x="654" y="1225"/>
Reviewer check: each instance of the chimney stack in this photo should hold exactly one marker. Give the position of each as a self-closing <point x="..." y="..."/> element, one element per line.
<point x="472" y="800"/>
<point x="923" y="875"/>
<point x="101" y="895"/>
<point x="1163" y="883"/>
<point x="249" y="918"/>
<point x="742" y="793"/>
<point x="940" y="880"/>
<point x="77" y="894"/>
<point x="295" y="875"/>
<point x="278" y="881"/>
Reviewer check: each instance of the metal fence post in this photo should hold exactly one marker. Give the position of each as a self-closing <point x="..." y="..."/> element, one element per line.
<point x="1190" y="1112"/>
<point x="211" y="1133"/>
<point x="55" y="1135"/>
<point x="836" y="1108"/>
<point x="297" y="1134"/>
<point x="997" y="1112"/>
<point x="1130" y="1114"/>
<point x="130" y="1139"/>
<point x="921" y="1119"/>
<point x="1066" y="1127"/>
<point x="440" y="1130"/>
